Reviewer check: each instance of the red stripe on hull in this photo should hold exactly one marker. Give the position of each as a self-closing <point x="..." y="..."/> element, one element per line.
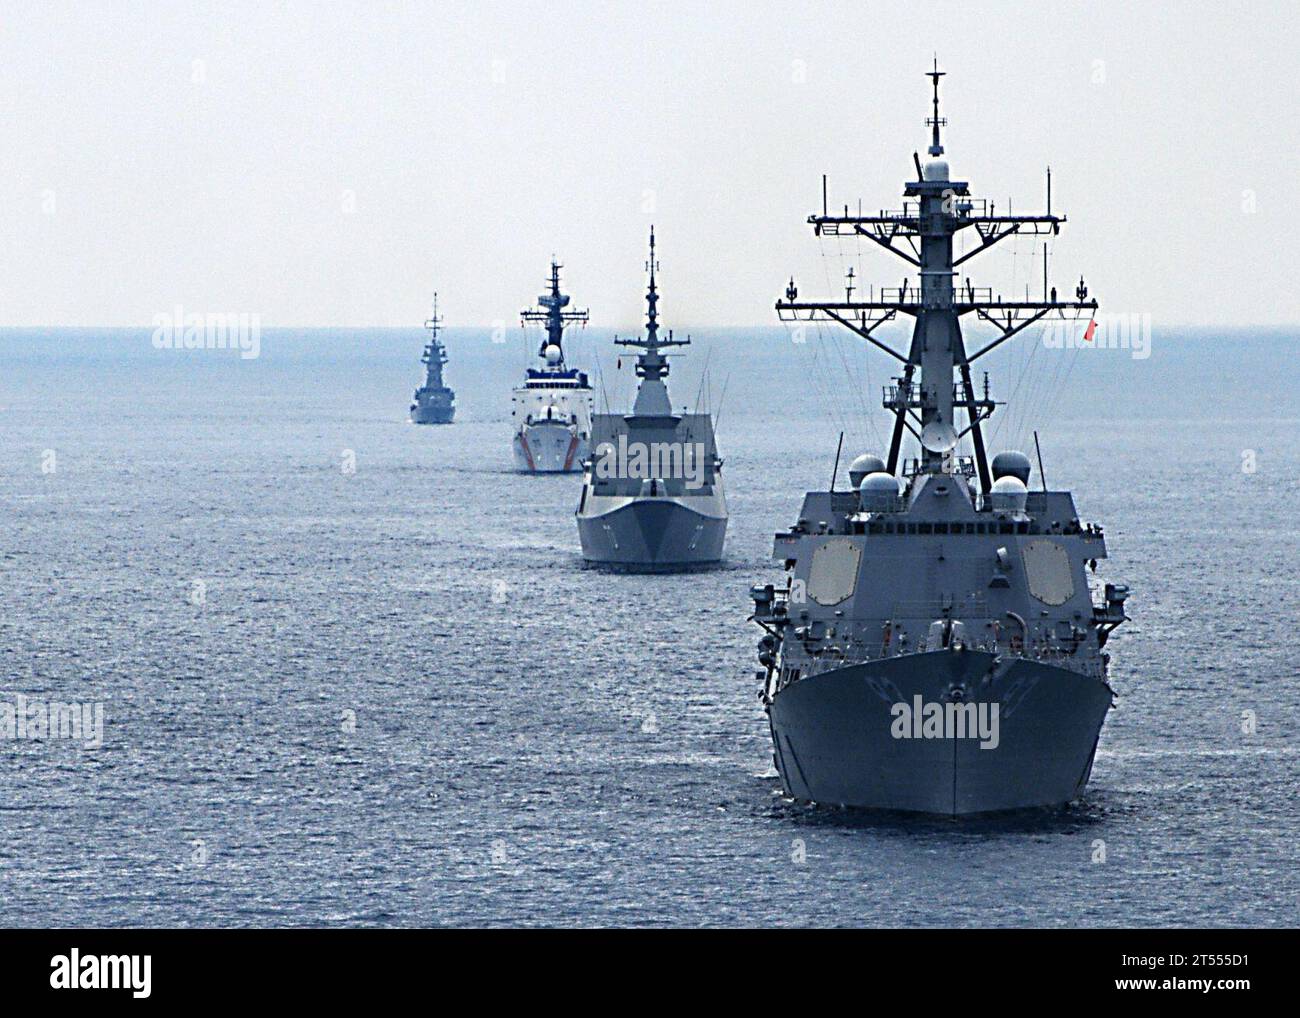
<point x="528" y="453"/>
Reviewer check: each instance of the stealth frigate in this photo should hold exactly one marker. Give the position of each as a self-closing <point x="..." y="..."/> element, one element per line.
<point x="552" y="410"/>
<point x="652" y="498"/>
<point x="937" y="647"/>
<point x="433" y="402"/>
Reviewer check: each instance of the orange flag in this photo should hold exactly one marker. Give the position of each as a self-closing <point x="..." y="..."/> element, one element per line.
<point x="1092" y="330"/>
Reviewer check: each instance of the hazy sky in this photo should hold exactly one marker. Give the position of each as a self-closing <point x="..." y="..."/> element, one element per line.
<point x="335" y="163"/>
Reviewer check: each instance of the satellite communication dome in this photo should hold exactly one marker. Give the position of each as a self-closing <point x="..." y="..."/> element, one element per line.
<point x="1008" y="495"/>
<point x="553" y="355"/>
<point x="1011" y="464"/>
<point x="878" y="493"/>
<point x="936" y="169"/>
<point x="863" y="465"/>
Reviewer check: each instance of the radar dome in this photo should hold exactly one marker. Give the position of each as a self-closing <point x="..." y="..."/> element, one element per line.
<point x="1008" y="495"/>
<point x="1011" y="464"/>
<point x="878" y="493"/>
<point x="553" y="355"/>
<point x="936" y="169"/>
<point x="863" y="465"/>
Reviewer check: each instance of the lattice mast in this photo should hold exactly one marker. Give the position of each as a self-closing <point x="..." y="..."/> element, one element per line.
<point x="935" y="381"/>
<point x="552" y="314"/>
<point x="435" y="354"/>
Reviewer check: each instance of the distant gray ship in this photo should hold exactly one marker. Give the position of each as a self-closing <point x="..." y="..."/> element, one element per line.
<point x="433" y="402"/>
<point x="552" y="410"/>
<point x="936" y="647"/>
<point x="652" y="496"/>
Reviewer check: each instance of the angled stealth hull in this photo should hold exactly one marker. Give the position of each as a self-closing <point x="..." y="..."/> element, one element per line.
<point x="835" y="742"/>
<point x="652" y="494"/>
<point x="651" y="535"/>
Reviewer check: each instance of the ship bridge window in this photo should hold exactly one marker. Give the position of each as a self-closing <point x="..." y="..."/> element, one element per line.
<point x="941" y="528"/>
<point x="924" y="528"/>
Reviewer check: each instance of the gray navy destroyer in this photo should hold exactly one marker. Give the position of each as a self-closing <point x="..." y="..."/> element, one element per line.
<point x="652" y="498"/>
<point x="936" y="647"/>
<point x="552" y="410"/>
<point x="433" y="402"/>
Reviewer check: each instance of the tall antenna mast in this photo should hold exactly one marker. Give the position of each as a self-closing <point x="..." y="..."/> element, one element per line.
<point x="553" y="316"/>
<point x="936" y="121"/>
<point x="651" y="365"/>
<point x="935" y="382"/>
<point x="652" y="298"/>
<point x="434" y="321"/>
<point x="434" y="354"/>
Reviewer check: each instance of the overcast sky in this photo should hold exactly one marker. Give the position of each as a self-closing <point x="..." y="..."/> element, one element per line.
<point x="335" y="163"/>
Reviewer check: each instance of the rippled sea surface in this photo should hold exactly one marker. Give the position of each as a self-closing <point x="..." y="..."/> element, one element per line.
<point x="394" y="696"/>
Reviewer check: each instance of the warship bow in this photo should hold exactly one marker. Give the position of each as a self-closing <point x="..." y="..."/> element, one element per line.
<point x="552" y="410"/>
<point x="433" y="402"/>
<point x="936" y="647"/>
<point x="652" y="498"/>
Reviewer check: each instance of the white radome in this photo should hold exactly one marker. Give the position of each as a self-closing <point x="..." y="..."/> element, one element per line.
<point x="1008" y="495"/>
<point x="863" y="465"/>
<point x="878" y="493"/>
<point x="936" y="169"/>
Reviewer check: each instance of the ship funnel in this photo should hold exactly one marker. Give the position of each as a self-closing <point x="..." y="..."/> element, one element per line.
<point x="878" y="493"/>
<point x="1011" y="464"/>
<point x="863" y="465"/>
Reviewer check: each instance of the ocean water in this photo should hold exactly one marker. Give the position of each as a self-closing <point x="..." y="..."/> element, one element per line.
<point x="392" y="695"/>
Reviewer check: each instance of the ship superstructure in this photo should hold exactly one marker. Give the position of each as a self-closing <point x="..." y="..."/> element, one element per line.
<point x="652" y="497"/>
<point x="433" y="402"/>
<point x="552" y="410"/>
<point x="936" y="646"/>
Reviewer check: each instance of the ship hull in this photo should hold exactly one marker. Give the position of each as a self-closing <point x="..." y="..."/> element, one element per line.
<point x="652" y="535"/>
<point x="432" y="413"/>
<point x="548" y="448"/>
<point x="835" y="735"/>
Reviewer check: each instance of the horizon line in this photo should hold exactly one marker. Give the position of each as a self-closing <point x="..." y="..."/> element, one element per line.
<point x="612" y="327"/>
